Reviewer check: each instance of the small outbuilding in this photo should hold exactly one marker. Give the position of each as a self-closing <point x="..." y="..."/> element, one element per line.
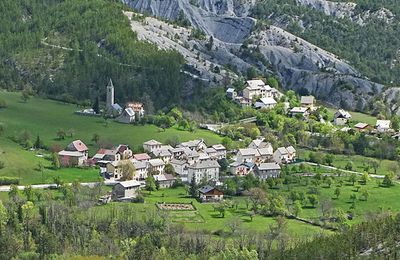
<point x="125" y="190"/>
<point x="210" y="194"/>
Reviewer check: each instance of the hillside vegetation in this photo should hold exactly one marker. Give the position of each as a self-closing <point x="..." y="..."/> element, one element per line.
<point x="372" y="46"/>
<point x="69" y="49"/>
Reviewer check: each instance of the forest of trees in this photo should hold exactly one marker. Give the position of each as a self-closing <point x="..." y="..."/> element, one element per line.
<point x="57" y="225"/>
<point x="372" y="48"/>
<point x="100" y="45"/>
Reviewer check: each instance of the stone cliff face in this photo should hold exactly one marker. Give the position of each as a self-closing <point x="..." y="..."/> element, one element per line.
<point x="298" y="63"/>
<point x="225" y="20"/>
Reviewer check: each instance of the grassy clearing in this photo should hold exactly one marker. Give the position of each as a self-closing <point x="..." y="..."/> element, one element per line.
<point x="359" y="162"/>
<point x="205" y="218"/>
<point x="356" y="117"/>
<point x="45" y="117"/>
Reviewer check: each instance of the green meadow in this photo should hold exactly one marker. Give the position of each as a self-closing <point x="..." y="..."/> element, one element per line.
<point x="42" y="117"/>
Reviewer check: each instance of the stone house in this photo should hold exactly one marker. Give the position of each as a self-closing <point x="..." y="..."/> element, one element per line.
<point x="125" y="190"/>
<point x="268" y="170"/>
<point x="307" y="102"/>
<point x="164" y="180"/>
<point x="151" y="145"/>
<point x="75" y="154"/>
<point x="204" y="170"/>
<point x="341" y="117"/>
<point x="156" y="165"/>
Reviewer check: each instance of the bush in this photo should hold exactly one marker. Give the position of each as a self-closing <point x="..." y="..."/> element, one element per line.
<point x="138" y="199"/>
<point x="1" y="165"/>
<point x="3" y="103"/>
<point x="9" y="180"/>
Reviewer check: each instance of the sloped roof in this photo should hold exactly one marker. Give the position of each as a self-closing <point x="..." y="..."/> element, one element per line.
<point x="152" y="142"/>
<point x="218" y="147"/>
<point x="361" y="125"/>
<point x="282" y="150"/>
<point x="205" y="164"/>
<point x="77" y="145"/>
<point x="117" y="107"/>
<point x="177" y="162"/>
<point x="269" y="166"/>
<point x="383" y="123"/>
<point x="230" y="90"/>
<point x="208" y="189"/>
<point x="128" y="184"/>
<point x="255" y="83"/>
<point x="268" y="101"/>
<point x="156" y="162"/>
<point x="266" y="151"/>
<point x="130" y="111"/>
<point x="248" y="151"/>
<point x="290" y="149"/>
<point x="299" y="110"/>
<point x="141" y="156"/>
<point x="342" y="113"/>
<point x="140" y="165"/>
<point x="71" y="153"/>
<point x="307" y="100"/>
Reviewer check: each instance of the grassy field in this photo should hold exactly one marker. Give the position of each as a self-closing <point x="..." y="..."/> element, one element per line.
<point x="359" y="162"/>
<point x="356" y="117"/>
<point x="45" y="117"/>
<point x="205" y="218"/>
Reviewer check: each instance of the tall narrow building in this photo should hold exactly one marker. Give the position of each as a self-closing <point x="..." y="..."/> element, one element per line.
<point x="110" y="96"/>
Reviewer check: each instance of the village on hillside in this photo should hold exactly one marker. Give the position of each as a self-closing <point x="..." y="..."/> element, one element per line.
<point x="194" y="162"/>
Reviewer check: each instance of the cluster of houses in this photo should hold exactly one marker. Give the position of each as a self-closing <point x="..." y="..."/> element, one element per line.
<point x="192" y="161"/>
<point x="255" y="93"/>
<point x="260" y="159"/>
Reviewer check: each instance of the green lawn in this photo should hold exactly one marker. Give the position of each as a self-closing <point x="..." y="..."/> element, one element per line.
<point x="359" y="162"/>
<point x="356" y="117"/>
<point x="205" y="218"/>
<point x="45" y="117"/>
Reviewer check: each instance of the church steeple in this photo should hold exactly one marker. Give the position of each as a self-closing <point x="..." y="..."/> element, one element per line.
<point x="110" y="96"/>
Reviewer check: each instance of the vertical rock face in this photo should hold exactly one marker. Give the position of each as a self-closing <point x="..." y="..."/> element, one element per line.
<point x="225" y="20"/>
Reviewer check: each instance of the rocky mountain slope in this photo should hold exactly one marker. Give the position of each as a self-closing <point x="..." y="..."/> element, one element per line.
<point x="241" y="42"/>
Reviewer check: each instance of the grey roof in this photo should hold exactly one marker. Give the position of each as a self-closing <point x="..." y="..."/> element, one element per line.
<point x="210" y="150"/>
<point x="205" y="164"/>
<point x="230" y="90"/>
<point x="298" y="110"/>
<point x="177" y="162"/>
<point x="140" y="165"/>
<point x="128" y="184"/>
<point x="290" y="149"/>
<point x="206" y="189"/>
<point x="130" y="111"/>
<point x="117" y="107"/>
<point x="282" y="150"/>
<point x="164" y="177"/>
<point x="152" y="142"/>
<point x="218" y="147"/>
<point x="248" y="151"/>
<point x="342" y="114"/>
<point x="268" y="166"/>
<point x="156" y="162"/>
<point x="307" y="100"/>
<point x="266" y="151"/>
<point x="361" y="125"/>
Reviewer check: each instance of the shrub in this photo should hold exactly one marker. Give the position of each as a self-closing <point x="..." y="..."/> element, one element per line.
<point x="8" y="180"/>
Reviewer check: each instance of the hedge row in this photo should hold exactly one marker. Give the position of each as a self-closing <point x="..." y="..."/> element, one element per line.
<point x="8" y="180"/>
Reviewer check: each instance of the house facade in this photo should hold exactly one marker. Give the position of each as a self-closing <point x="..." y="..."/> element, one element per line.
<point x="125" y="190"/>
<point x="151" y="145"/>
<point x="210" y="194"/>
<point x="284" y="155"/>
<point x="341" y="117"/>
<point x="164" y="180"/>
<point x="75" y="154"/>
<point x="267" y="170"/>
<point x="204" y="170"/>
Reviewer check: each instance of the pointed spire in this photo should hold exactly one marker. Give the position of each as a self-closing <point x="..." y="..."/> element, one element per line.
<point x="110" y="83"/>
